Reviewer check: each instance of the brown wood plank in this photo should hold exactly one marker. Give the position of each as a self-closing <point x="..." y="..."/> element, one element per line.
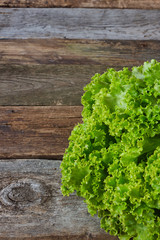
<point x="32" y="206"/>
<point x="54" y="71"/>
<point x="44" y="85"/>
<point x="36" y="132"/>
<point x="143" y="4"/>
<point x="79" y="23"/>
<point x="77" y="52"/>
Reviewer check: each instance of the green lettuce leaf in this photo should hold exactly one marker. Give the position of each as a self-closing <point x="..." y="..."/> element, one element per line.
<point x="113" y="158"/>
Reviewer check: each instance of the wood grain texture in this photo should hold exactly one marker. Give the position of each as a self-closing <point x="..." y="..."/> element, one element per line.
<point x="54" y="71"/>
<point x="77" y="51"/>
<point x="32" y="206"/>
<point x="45" y="85"/>
<point x="79" y="23"/>
<point x="143" y="4"/>
<point x="36" y="132"/>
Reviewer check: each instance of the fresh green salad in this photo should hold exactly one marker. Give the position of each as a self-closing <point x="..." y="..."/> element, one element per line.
<point x="113" y="158"/>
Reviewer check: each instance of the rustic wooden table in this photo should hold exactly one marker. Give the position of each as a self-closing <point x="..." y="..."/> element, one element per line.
<point x="48" y="52"/>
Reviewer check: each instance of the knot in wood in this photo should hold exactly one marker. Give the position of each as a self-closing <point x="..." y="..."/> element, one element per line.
<point x="24" y="193"/>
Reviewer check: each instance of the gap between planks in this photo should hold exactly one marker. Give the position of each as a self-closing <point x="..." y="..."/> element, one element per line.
<point x="143" y="4"/>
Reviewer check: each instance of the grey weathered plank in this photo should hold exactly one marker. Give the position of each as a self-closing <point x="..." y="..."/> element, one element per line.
<point x="32" y="206"/>
<point x="80" y="23"/>
<point x="144" y="4"/>
<point x="36" y="132"/>
<point x="54" y="71"/>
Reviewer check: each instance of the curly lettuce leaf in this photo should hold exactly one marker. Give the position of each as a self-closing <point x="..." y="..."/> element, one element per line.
<point x="113" y="158"/>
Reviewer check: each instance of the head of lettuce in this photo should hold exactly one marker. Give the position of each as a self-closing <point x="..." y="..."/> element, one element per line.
<point x="113" y="158"/>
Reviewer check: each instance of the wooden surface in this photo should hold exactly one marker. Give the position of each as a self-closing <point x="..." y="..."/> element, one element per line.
<point x="54" y="71"/>
<point x="78" y="23"/>
<point x="144" y="4"/>
<point x="47" y="56"/>
<point x="31" y="202"/>
<point x="111" y="53"/>
<point x="36" y="132"/>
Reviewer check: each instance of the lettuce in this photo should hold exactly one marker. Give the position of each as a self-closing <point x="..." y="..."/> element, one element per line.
<point x="113" y="157"/>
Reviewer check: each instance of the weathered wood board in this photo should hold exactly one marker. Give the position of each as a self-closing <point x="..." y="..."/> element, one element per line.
<point x="36" y="132"/>
<point x="112" y="53"/>
<point x="45" y="85"/>
<point x="31" y="204"/>
<point x="80" y="23"/>
<point x="144" y="4"/>
<point x="54" y="71"/>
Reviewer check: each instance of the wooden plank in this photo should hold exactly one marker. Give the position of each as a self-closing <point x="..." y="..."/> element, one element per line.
<point x="54" y="71"/>
<point x="77" y="51"/>
<point x="36" y="132"/>
<point x="80" y="23"/>
<point x="32" y="206"/>
<point x="45" y="85"/>
<point x="144" y="4"/>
